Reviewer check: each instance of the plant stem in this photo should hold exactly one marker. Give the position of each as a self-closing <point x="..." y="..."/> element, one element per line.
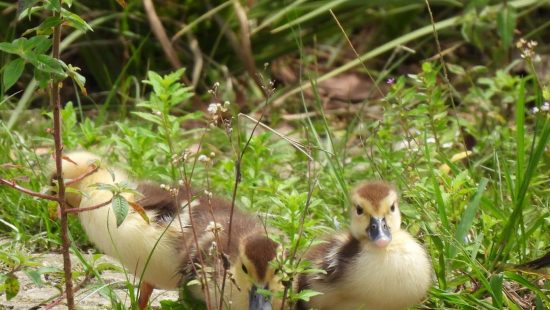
<point x="56" y="105"/>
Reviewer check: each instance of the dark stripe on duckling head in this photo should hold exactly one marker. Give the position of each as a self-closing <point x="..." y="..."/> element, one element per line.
<point x="260" y="250"/>
<point x="374" y="192"/>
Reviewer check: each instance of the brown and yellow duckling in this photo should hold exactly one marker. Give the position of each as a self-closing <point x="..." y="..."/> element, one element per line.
<point x="169" y="237"/>
<point x="374" y="265"/>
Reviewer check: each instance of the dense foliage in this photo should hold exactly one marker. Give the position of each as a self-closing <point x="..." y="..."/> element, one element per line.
<point x="449" y="104"/>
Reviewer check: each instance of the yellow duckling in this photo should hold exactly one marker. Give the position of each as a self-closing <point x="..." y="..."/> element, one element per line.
<point x="169" y="237"/>
<point x="374" y="265"/>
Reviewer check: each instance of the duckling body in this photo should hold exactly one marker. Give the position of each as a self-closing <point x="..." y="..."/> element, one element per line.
<point x="169" y="235"/>
<point x="133" y="241"/>
<point x="365" y="272"/>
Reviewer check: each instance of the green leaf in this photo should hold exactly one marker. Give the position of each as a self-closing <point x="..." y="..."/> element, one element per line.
<point x="47" y="64"/>
<point x="456" y="69"/>
<point x="54" y="5"/>
<point x="307" y="294"/>
<point x="496" y="290"/>
<point x="11" y="286"/>
<point x="469" y="214"/>
<point x="120" y="207"/>
<point x="41" y="77"/>
<point x="34" y="275"/>
<point x="12" y="72"/>
<point x="149" y="117"/>
<point x="38" y="44"/>
<point x="75" y="21"/>
<point x="8" y="47"/>
<point x="46" y="27"/>
<point x="527" y="283"/>
<point x="506" y="23"/>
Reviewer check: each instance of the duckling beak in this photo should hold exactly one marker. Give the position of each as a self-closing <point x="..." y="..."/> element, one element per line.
<point x="257" y="301"/>
<point x="379" y="232"/>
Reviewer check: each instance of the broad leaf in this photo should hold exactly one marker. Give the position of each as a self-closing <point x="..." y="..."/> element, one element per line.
<point x="8" y="47"/>
<point x="75" y="21"/>
<point x="11" y="285"/>
<point x="12" y="72"/>
<point x="120" y="207"/>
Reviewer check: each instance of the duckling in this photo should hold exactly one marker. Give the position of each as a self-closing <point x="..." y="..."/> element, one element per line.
<point x="169" y="235"/>
<point x="374" y="265"/>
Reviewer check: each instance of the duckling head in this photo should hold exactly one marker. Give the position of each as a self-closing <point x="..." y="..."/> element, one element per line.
<point x="253" y="270"/>
<point x="375" y="213"/>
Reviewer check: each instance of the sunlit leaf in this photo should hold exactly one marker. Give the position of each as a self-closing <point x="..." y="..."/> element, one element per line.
<point x="122" y="3"/>
<point x="75" y="21"/>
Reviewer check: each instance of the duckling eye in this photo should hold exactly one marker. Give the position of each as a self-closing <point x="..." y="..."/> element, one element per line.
<point x="393" y="207"/>
<point x="244" y="269"/>
<point x="358" y="209"/>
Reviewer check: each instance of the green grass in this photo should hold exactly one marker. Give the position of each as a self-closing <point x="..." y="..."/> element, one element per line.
<point x="478" y="217"/>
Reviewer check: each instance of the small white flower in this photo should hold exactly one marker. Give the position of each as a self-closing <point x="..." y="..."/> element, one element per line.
<point x="213" y="108"/>
<point x="545" y="107"/>
<point x="535" y="110"/>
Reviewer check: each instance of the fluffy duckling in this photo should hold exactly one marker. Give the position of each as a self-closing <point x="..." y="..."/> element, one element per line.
<point x="169" y="236"/>
<point x="374" y="265"/>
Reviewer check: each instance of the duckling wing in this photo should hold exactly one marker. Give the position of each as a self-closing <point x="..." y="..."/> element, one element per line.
<point x="164" y="202"/>
<point x="334" y="256"/>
